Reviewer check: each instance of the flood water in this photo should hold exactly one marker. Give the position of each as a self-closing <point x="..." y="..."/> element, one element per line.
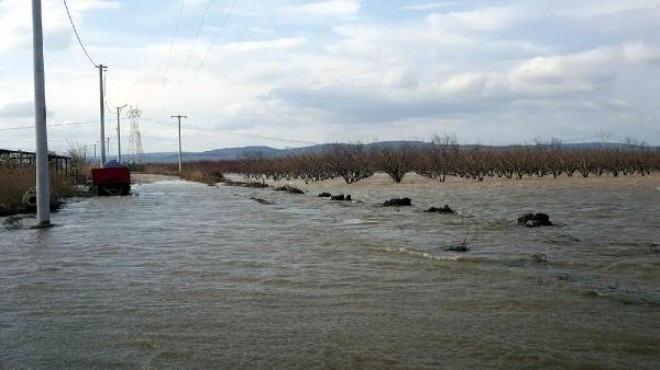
<point x="183" y="275"/>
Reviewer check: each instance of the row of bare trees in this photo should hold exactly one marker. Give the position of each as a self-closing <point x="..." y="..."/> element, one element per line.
<point x="443" y="157"/>
<point x="439" y="159"/>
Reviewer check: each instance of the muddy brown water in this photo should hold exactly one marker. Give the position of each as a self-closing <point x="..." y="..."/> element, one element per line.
<point x="183" y="275"/>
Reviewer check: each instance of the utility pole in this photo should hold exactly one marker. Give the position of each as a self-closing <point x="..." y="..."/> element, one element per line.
<point x="108" y="146"/>
<point x="43" y="187"/>
<point x="102" y="68"/>
<point x="94" y="151"/>
<point x="179" y="118"/>
<point x="119" y="133"/>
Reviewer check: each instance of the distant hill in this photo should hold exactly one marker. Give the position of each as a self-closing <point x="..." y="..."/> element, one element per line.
<point x="231" y="153"/>
<point x="234" y="153"/>
<point x="211" y="155"/>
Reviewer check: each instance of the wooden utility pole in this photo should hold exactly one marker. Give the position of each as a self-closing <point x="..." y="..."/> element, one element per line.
<point x="43" y="187"/>
<point x="179" y="118"/>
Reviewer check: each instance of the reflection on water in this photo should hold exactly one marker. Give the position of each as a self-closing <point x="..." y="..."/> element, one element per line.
<point x="189" y="276"/>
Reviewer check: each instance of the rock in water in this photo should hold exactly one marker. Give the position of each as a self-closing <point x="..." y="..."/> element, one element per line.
<point x="444" y="209"/>
<point x="261" y="201"/>
<point x="398" y="202"/>
<point x="325" y="195"/>
<point x="290" y="189"/>
<point x="534" y="220"/>
<point x="458" y="248"/>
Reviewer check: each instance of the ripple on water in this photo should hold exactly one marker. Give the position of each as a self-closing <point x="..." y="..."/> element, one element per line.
<point x="191" y="276"/>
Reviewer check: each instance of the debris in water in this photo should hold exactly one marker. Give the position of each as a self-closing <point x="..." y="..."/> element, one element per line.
<point x="13" y="223"/>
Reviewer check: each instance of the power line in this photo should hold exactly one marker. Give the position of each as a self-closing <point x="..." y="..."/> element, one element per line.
<point x="581" y="139"/>
<point x="171" y="51"/>
<point x="77" y="35"/>
<point x="32" y="141"/>
<point x="192" y="47"/>
<point x="208" y="51"/>
<point x="158" y="122"/>
<point x="49" y="126"/>
<point x="254" y="136"/>
<point x="273" y="138"/>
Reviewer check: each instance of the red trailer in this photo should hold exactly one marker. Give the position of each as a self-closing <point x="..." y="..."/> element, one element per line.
<point x="112" y="179"/>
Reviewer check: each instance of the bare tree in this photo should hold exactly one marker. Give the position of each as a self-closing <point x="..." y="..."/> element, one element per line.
<point x="80" y="166"/>
<point x="442" y="157"/>
<point x="253" y="165"/>
<point x="395" y="160"/>
<point x="350" y="161"/>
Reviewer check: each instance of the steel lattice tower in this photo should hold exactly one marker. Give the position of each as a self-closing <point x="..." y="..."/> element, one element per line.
<point x="135" y="139"/>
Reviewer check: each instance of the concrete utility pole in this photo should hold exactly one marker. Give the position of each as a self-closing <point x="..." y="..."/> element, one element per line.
<point x="108" y="146"/>
<point x="43" y="187"/>
<point x="119" y="132"/>
<point x="179" y="117"/>
<point x="102" y="68"/>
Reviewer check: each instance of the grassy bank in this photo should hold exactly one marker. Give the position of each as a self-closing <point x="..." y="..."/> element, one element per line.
<point x="15" y="181"/>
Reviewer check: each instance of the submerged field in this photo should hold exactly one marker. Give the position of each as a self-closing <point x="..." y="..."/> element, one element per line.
<point x="188" y="275"/>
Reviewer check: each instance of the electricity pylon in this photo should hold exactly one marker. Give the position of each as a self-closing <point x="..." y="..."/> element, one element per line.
<point x="135" y="138"/>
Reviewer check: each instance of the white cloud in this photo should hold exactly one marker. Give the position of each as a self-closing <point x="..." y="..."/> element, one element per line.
<point x="316" y="72"/>
<point x="82" y="6"/>
<point x="585" y="71"/>
<point x="332" y="8"/>
<point x="598" y="8"/>
<point x="468" y="83"/>
<point x="16" y="21"/>
<point x="17" y="109"/>
<point x="640" y="53"/>
<point x="429" y="6"/>
<point x="282" y="43"/>
<point x="16" y="24"/>
<point x="484" y="20"/>
<point x="268" y="31"/>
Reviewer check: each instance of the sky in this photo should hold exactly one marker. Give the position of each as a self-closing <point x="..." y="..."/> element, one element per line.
<point x="290" y="73"/>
